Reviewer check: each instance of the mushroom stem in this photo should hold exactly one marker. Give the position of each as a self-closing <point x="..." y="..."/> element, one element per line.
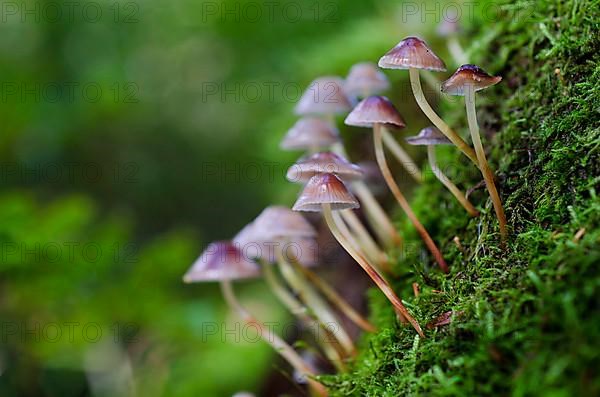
<point x="382" y="225"/>
<point x="278" y="344"/>
<point x="333" y="351"/>
<point x="488" y="176"/>
<point x="367" y="243"/>
<point x="462" y="199"/>
<point x="334" y="297"/>
<point x="401" y="155"/>
<point x="316" y="304"/>
<point x="415" y="83"/>
<point x="367" y="267"/>
<point x="456" y="50"/>
<point x="389" y="179"/>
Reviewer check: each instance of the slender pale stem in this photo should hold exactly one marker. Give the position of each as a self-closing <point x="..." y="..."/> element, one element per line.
<point x="367" y="267"/>
<point x="456" y="192"/>
<point x="334" y="297"/>
<point x="389" y="179"/>
<point x="278" y="344"/>
<point x="415" y="83"/>
<point x="367" y="243"/>
<point x="488" y="175"/>
<point x="316" y="303"/>
<point x="382" y="225"/>
<point x="401" y="155"/>
<point x="456" y="50"/>
<point x="334" y="352"/>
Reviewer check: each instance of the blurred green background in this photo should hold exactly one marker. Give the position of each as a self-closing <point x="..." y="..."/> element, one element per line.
<point x="134" y="133"/>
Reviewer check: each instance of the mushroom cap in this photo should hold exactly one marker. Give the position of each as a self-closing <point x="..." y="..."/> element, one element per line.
<point x="325" y="189"/>
<point x="278" y="221"/>
<point x="221" y="260"/>
<point x="412" y="52"/>
<point x="365" y="79"/>
<point x="374" y="109"/>
<point x="468" y="75"/>
<point x="322" y="163"/>
<point x="325" y="95"/>
<point x="429" y="136"/>
<point x="309" y="132"/>
<point x="279" y="228"/>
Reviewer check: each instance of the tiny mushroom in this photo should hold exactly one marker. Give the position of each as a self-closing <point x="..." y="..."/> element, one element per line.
<point x="377" y="112"/>
<point x="414" y="54"/>
<point x="320" y="163"/>
<point x="380" y="110"/>
<point x="327" y="193"/>
<point x="467" y="80"/>
<point x="223" y="262"/>
<point x="364" y="79"/>
<point x="431" y="137"/>
<point x="310" y="133"/>
<point x="324" y="96"/>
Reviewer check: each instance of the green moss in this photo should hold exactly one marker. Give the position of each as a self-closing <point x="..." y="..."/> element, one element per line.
<point x="529" y="317"/>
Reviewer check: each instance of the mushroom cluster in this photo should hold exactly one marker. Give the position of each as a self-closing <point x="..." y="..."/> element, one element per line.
<point x="282" y="246"/>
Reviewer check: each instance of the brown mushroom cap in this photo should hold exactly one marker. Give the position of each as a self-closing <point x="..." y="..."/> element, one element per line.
<point x="374" y="109"/>
<point x="365" y="79"/>
<point x="468" y="75"/>
<point x="279" y="229"/>
<point x="323" y="96"/>
<point x="325" y="189"/>
<point x="221" y="260"/>
<point x="310" y="132"/>
<point x="429" y="136"/>
<point x="321" y="163"/>
<point x="412" y="52"/>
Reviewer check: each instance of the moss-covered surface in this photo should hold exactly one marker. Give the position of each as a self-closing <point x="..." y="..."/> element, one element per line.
<point x="529" y="315"/>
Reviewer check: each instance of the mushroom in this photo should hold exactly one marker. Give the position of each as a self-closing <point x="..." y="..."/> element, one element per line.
<point x="326" y="193"/>
<point x="377" y="112"/>
<point x="379" y="109"/>
<point x="311" y="134"/>
<point x="431" y="137"/>
<point x="364" y="79"/>
<point x="278" y="227"/>
<point x="328" y="162"/>
<point x="326" y="97"/>
<point x="413" y="54"/>
<point x="449" y="28"/>
<point x="223" y="262"/>
<point x="467" y="80"/>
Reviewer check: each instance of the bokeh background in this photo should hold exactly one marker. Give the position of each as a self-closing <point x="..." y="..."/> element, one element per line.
<point x="132" y="134"/>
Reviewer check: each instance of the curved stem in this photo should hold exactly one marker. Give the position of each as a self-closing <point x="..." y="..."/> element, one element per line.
<point x="335" y="298"/>
<point x="401" y="155"/>
<point x="389" y="179"/>
<point x="488" y="176"/>
<point x="415" y="83"/>
<point x="329" y="344"/>
<point x="366" y="241"/>
<point x="316" y="303"/>
<point x="382" y="225"/>
<point x="456" y="51"/>
<point x="278" y="344"/>
<point x="376" y="277"/>
<point x="462" y="199"/>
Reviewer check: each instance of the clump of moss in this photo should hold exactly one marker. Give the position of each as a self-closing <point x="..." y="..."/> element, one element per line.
<point x="526" y="319"/>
